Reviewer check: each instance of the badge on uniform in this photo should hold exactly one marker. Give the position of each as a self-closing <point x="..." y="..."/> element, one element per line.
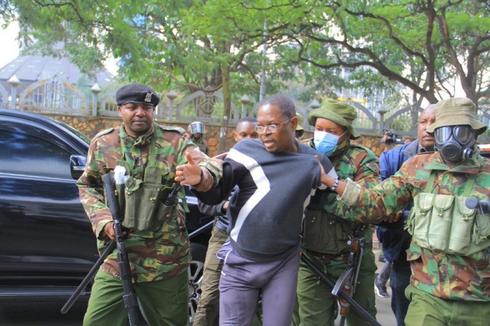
<point x="148" y="97"/>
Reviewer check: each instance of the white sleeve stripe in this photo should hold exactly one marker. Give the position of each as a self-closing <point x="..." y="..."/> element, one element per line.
<point x="260" y="180"/>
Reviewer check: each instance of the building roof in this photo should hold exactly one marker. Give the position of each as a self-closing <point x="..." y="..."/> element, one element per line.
<point x="32" y="68"/>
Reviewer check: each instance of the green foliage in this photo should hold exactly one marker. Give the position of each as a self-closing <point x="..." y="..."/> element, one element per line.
<point x="188" y="44"/>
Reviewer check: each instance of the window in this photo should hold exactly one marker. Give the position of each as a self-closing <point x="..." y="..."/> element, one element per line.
<point x="22" y="153"/>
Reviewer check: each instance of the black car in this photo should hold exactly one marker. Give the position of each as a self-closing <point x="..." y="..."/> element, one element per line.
<point x="46" y="241"/>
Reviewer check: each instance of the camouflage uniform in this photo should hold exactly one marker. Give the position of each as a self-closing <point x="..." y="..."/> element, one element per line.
<point x="325" y="238"/>
<point x="201" y="143"/>
<point x="158" y="258"/>
<point x="444" y="286"/>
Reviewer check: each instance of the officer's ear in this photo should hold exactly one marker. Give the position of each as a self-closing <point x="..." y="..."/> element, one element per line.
<point x="293" y="122"/>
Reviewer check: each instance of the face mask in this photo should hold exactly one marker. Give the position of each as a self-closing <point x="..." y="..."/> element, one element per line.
<point x="455" y="143"/>
<point x="325" y="142"/>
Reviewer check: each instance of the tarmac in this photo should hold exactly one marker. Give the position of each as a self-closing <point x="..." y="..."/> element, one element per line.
<point x="384" y="315"/>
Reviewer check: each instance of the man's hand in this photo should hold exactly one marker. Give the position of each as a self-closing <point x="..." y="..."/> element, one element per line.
<point x="196" y="154"/>
<point x="188" y="174"/>
<point x="109" y="230"/>
<point x="226" y="204"/>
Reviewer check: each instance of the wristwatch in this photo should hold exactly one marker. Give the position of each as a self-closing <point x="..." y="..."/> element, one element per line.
<point x="335" y="185"/>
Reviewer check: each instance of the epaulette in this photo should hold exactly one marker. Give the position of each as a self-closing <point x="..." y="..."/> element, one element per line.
<point x="104" y="132"/>
<point x="178" y="129"/>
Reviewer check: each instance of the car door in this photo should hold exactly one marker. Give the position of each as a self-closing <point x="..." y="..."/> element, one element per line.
<point x="44" y="232"/>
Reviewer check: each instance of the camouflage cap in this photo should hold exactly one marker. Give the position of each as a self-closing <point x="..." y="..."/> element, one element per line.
<point x="457" y="111"/>
<point x="136" y="93"/>
<point x="301" y="120"/>
<point x="341" y="113"/>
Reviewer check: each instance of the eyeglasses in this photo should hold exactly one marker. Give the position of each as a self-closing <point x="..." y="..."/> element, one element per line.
<point x="271" y="127"/>
<point x="132" y="107"/>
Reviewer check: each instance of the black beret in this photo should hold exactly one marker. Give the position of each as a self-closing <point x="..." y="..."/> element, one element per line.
<point x="136" y="93"/>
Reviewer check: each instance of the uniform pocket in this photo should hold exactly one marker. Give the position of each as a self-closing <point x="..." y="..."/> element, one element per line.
<point x="144" y="208"/>
<point x="419" y="221"/>
<point x="481" y="230"/>
<point x="461" y="229"/>
<point x="440" y="222"/>
<point x="322" y="234"/>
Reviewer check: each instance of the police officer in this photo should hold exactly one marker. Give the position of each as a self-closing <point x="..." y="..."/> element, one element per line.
<point x="326" y="234"/>
<point x="300" y="131"/>
<point x="196" y="133"/>
<point x="157" y="243"/>
<point x="450" y="248"/>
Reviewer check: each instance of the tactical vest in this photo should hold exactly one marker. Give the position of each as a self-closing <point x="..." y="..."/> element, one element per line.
<point x="443" y="222"/>
<point x="327" y="234"/>
<point x="144" y="199"/>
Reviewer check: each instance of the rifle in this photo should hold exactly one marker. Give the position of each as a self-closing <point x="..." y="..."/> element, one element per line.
<point x="119" y="176"/>
<point x="201" y="229"/>
<point x="88" y="278"/>
<point x="348" y="279"/>
<point x="340" y="292"/>
<point x="129" y="297"/>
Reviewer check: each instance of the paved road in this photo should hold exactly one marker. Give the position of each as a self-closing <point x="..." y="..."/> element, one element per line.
<point x="385" y="315"/>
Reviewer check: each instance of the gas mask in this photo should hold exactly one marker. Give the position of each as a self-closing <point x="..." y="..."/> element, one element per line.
<point x="455" y="143"/>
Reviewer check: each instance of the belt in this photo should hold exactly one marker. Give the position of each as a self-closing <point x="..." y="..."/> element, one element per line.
<point x="326" y="258"/>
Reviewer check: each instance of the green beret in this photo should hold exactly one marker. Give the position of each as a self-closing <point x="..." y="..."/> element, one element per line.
<point x="457" y="111"/>
<point x="340" y="113"/>
<point x="136" y="93"/>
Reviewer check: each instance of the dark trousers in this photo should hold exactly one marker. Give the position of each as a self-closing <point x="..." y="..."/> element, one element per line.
<point x="399" y="280"/>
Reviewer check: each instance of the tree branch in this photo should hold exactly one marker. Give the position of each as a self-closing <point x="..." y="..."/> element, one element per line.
<point x="391" y="33"/>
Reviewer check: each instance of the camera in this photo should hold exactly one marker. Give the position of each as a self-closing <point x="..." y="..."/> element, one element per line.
<point x="390" y="137"/>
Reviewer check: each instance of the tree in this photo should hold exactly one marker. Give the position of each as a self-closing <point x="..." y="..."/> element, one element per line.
<point x="442" y="39"/>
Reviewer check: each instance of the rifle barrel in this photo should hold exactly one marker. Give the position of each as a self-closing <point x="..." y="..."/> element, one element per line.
<point x="360" y="309"/>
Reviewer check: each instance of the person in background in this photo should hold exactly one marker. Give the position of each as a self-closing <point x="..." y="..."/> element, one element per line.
<point x="394" y="238"/>
<point x="196" y="134"/>
<point x="300" y="131"/>
<point x="207" y="313"/>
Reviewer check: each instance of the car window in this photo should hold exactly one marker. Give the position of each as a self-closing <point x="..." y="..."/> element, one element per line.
<point x="22" y="153"/>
